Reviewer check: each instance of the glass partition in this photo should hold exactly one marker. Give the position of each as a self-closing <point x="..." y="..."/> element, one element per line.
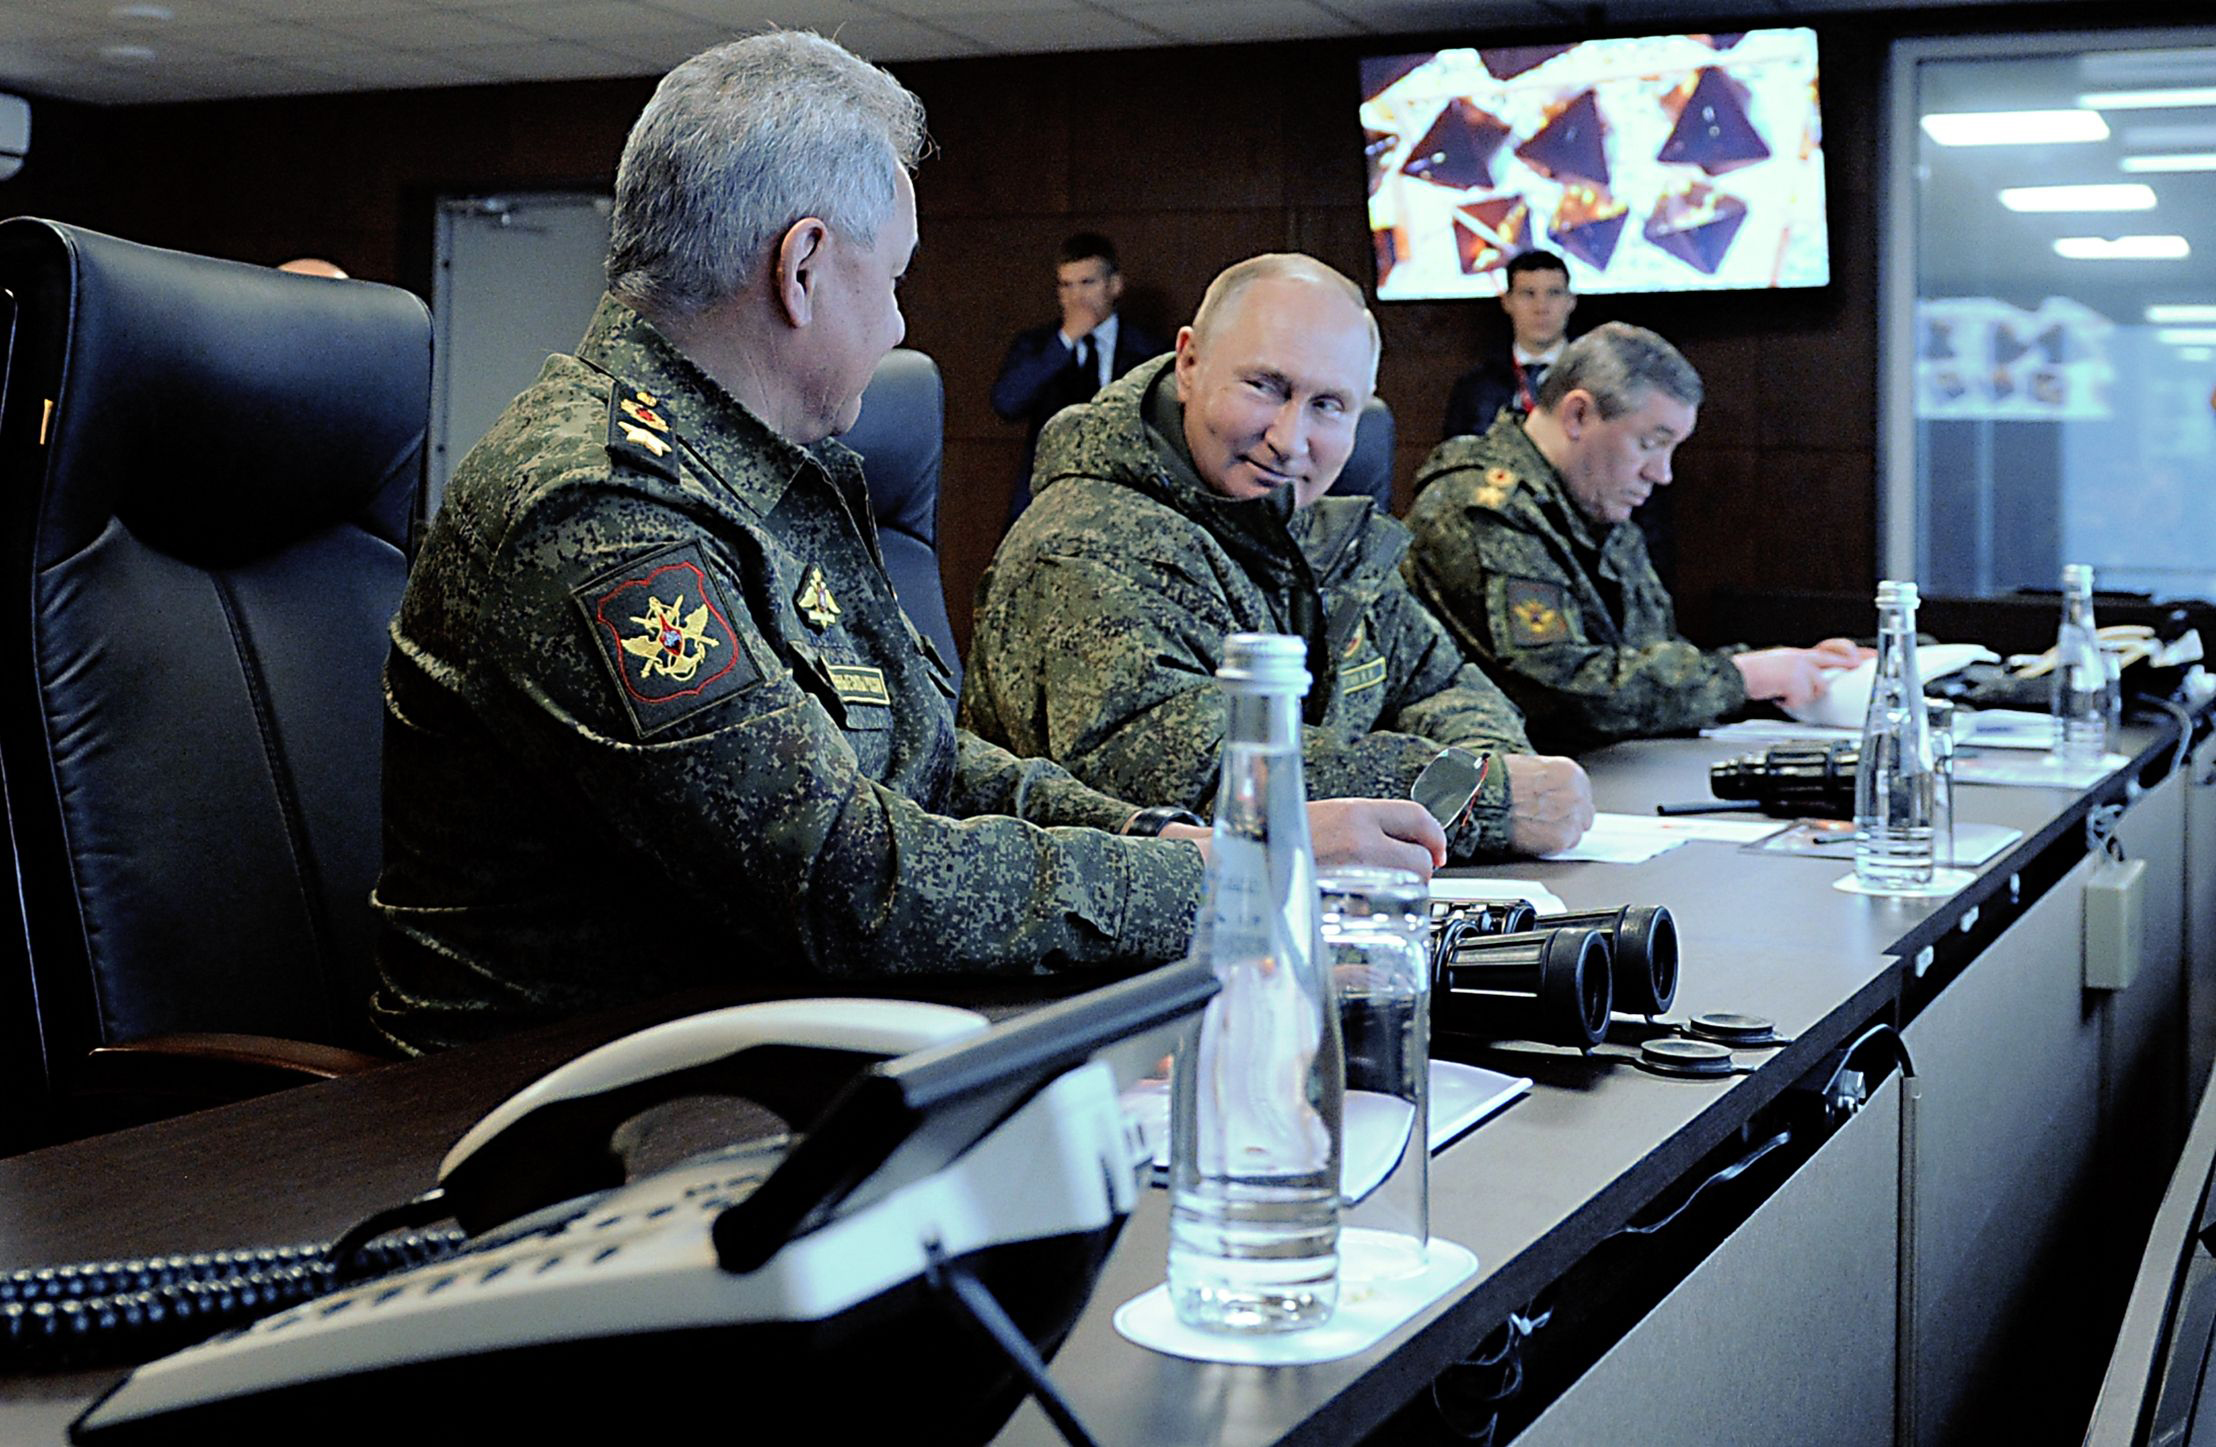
<point x="2049" y="352"/>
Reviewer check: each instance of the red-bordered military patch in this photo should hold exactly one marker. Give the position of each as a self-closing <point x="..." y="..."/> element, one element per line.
<point x="1536" y="612"/>
<point x="663" y="631"/>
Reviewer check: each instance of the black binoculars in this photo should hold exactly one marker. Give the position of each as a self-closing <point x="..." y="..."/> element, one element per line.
<point x="1792" y="781"/>
<point x="1502" y="970"/>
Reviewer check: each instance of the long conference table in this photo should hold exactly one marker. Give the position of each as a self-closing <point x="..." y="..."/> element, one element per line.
<point x="1950" y="1258"/>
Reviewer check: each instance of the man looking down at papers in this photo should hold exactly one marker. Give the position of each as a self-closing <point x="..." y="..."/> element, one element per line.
<point x="1524" y="546"/>
<point x="1186" y="503"/>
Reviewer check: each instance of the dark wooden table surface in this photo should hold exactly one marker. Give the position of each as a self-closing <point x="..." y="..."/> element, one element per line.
<point x="1530" y="1192"/>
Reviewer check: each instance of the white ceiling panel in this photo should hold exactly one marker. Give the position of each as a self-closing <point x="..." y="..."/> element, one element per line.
<point x="540" y="60"/>
<point x="425" y="30"/>
<point x="30" y="27"/>
<point x="752" y="15"/>
<point x="264" y="40"/>
<point x="183" y="14"/>
<point x="935" y="10"/>
<point x="1052" y="30"/>
<point x="50" y="47"/>
<point x="1237" y="21"/>
<point x="889" y="37"/>
<point x="589" y="23"/>
<point x="394" y="70"/>
<point x="678" y="39"/>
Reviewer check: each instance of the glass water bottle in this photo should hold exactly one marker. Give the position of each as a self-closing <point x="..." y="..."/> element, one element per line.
<point x="2082" y="692"/>
<point x="1894" y="782"/>
<point x="1258" y="1089"/>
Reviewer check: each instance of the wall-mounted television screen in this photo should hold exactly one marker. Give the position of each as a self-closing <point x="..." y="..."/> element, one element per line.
<point x="1668" y="163"/>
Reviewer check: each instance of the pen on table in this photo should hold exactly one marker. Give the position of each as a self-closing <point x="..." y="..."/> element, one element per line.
<point x="1710" y="806"/>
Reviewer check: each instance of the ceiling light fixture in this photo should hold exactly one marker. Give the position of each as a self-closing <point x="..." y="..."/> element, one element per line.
<point x="127" y="54"/>
<point x="2015" y="128"/>
<point x="2187" y="337"/>
<point x="2149" y="100"/>
<point x="2122" y="248"/>
<point x="2154" y="165"/>
<point x="2162" y="314"/>
<point x="2115" y="196"/>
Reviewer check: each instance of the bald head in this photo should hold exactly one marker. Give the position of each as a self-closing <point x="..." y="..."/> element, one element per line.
<point x="1225" y="294"/>
<point x="313" y="266"/>
<point x="1274" y="373"/>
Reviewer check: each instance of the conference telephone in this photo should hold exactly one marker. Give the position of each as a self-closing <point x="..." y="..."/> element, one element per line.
<point x="901" y="1266"/>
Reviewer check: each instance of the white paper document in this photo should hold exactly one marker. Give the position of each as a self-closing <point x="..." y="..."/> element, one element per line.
<point x="1462" y="888"/>
<point x="1759" y="731"/>
<point x="1624" y="839"/>
<point x="2005" y="728"/>
<point x="1717" y="831"/>
<point x="2043" y="771"/>
<point x="1376" y="1125"/>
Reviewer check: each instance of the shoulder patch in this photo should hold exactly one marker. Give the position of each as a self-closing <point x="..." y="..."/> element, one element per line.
<point x="1494" y="488"/>
<point x="1535" y="611"/>
<point x="638" y="433"/>
<point x="665" y="634"/>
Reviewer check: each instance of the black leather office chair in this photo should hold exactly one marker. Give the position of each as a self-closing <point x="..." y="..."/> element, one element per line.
<point x="900" y="436"/>
<point x="1369" y="469"/>
<point x="207" y="473"/>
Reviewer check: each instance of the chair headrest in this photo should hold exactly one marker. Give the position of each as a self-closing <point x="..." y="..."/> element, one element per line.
<point x="1369" y="469"/>
<point x="175" y="366"/>
<point x="899" y="436"/>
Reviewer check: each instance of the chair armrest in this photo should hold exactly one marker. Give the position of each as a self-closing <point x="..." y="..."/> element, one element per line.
<point x="114" y="1086"/>
<point x="214" y="1052"/>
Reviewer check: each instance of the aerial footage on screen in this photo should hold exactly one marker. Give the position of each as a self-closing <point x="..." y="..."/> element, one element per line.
<point x="1668" y="163"/>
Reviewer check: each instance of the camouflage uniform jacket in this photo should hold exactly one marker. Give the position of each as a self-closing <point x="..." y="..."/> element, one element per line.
<point x="655" y="719"/>
<point x="1102" y="618"/>
<point x="1570" y="618"/>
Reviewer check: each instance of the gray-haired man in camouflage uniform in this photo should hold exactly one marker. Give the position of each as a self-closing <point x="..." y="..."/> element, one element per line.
<point x="655" y="716"/>
<point x="1524" y="544"/>
<point x="1182" y="505"/>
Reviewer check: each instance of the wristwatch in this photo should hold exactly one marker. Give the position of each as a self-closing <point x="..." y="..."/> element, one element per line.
<point x="1150" y="823"/>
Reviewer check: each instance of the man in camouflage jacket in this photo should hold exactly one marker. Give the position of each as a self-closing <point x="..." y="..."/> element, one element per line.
<point x="1524" y="545"/>
<point x="1183" y="505"/>
<point x="655" y="717"/>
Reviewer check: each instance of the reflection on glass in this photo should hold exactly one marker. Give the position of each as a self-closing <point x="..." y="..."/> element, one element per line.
<point x="2064" y="397"/>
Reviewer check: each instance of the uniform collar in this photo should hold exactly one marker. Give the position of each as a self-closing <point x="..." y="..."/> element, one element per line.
<point x="724" y="438"/>
<point x="1525" y="458"/>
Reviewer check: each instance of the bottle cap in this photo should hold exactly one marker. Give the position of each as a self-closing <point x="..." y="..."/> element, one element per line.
<point x="1266" y="663"/>
<point x="1896" y="591"/>
<point x="2077" y="577"/>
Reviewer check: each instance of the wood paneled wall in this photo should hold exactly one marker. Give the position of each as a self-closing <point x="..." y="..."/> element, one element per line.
<point x="1191" y="159"/>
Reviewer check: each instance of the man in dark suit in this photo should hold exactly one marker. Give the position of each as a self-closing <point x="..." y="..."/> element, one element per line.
<point x="1055" y="366"/>
<point x="1538" y="303"/>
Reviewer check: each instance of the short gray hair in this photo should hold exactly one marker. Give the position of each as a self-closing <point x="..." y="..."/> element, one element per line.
<point x="1619" y="364"/>
<point x="740" y="142"/>
<point x="1237" y="277"/>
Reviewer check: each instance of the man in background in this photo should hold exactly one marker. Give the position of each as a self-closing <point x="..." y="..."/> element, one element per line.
<point x="1525" y="547"/>
<point x="1186" y="503"/>
<point x="1538" y="302"/>
<point x="1063" y="363"/>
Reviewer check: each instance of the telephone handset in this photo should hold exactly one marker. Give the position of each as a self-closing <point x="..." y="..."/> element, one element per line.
<point x="960" y="1169"/>
<point x="550" y="1141"/>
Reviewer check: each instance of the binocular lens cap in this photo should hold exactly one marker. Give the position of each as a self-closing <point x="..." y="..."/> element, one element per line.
<point x="1671" y="1055"/>
<point x="1738" y="1029"/>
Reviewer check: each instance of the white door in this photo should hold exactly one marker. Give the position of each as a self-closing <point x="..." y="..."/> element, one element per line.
<point x="517" y="278"/>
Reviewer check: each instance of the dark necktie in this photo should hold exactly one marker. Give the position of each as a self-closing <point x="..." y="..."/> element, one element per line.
<point x="1527" y="398"/>
<point x="1088" y="368"/>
